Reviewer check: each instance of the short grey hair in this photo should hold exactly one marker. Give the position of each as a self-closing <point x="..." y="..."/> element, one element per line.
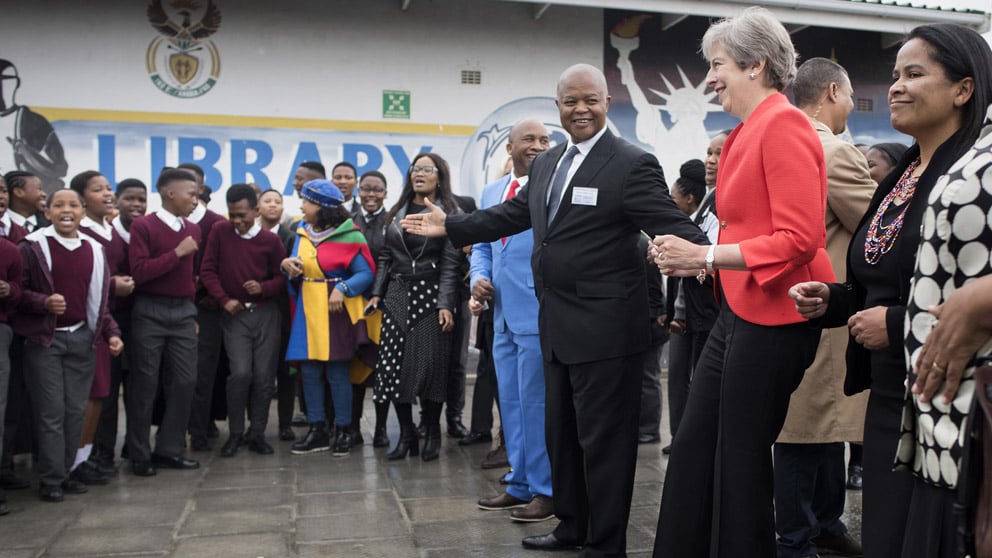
<point x="751" y="37"/>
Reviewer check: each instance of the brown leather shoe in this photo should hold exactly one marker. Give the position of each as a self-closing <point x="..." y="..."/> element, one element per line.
<point x="841" y="545"/>
<point x="496" y="459"/>
<point x="541" y="508"/>
<point x="502" y="502"/>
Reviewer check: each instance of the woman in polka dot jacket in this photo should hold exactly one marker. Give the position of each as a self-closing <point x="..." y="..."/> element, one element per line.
<point x="941" y="87"/>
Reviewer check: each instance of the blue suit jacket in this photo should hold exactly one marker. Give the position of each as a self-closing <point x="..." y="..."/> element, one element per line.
<point x="507" y="267"/>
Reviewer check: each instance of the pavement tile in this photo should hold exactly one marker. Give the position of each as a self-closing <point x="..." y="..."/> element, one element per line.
<point x="260" y="545"/>
<point x="448" y="509"/>
<point x="344" y="482"/>
<point x="243" y="498"/>
<point x="345" y="503"/>
<point x="237" y="520"/>
<point x="132" y="515"/>
<point x="376" y="525"/>
<point x="476" y="533"/>
<point x="17" y="533"/>
<point x="84" y="542"/>
<point x="401" y="547"/>
<point x="245" y="478"/>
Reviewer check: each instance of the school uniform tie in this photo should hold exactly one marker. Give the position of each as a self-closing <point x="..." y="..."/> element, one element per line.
<point x="510" y="194"/>
<point x="558" y="182"/>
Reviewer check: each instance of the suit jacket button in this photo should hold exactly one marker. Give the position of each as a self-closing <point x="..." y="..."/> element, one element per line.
<point x="723" y="224"/>
<point x="544" y="243"/>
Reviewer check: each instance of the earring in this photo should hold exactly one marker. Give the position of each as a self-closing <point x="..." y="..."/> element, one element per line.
<point x="752" y="75"/>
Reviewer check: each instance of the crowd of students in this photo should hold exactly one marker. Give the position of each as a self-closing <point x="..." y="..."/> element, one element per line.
<point x="98" y="299"/>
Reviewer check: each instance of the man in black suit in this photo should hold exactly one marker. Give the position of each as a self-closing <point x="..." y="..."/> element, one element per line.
<point x="587" y="202"/>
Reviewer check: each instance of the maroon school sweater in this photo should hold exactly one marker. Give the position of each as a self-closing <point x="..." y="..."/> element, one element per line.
<point x="229" y="261"/>
<point x="71" y="272"/>
<point x="11" y="271"/>
<point x="154" y="266"/>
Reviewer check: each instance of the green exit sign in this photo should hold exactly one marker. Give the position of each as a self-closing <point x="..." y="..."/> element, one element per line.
<point x="395" y="104"/>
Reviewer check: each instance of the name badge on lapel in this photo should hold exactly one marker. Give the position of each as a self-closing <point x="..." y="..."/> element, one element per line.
<point x="585" y="196"/>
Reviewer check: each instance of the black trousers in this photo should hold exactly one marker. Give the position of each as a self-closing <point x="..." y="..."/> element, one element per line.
<point x="717" y="498"/>
<point x="684" y="350"/>
<point x="455" y="400"/>
<point x="209" y="347"/>
<point x="485" y="390"/>
<point x="592" y="412"/>
<point x="809" y="495"/>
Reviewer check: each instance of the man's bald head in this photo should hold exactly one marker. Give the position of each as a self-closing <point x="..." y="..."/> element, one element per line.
<point x="528" y="139"/>
<point x="582" y="101"/>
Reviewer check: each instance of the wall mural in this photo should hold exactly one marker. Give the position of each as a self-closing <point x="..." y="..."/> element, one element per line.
<point x="31" y="143"/>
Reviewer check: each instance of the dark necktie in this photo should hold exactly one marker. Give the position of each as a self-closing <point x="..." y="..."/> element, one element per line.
<point x="558" y="182"/>
<point x="509" y="196"/>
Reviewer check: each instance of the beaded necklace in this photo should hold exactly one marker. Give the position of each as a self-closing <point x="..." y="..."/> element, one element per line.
<point x="880" y="238"/>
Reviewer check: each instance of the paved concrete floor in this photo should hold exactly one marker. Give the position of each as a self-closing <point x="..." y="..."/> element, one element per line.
<point x="306" y="506"/>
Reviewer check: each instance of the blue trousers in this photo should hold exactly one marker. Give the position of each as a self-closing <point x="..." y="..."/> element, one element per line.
<point x="520" y="381"/>
<point x="314" y="372"/>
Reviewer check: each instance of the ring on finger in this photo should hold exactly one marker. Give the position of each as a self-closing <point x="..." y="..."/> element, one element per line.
<point x="938" y="368"/>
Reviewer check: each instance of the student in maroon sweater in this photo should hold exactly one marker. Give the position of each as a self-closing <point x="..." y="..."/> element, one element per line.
<point x="163" y="325"/>
<point x="241" y="271"/>
<point x="132" y="201"/>
<point x="13" y="392"/>
<point x="98" y="200"/>
<point x="63" y="315"/>
<point x="209" y="337"/>
<point x="10" y="295"/>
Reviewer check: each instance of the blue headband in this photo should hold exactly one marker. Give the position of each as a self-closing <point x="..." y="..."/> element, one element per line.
<point x="323" y="193"/>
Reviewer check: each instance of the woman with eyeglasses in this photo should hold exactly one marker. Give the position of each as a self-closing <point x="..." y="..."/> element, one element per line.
<point x="416" y="289"/>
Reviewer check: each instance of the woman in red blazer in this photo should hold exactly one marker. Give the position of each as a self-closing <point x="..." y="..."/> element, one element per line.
<point x="771" y="196"/>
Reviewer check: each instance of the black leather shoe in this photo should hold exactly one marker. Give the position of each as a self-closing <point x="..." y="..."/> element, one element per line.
<point x="287" y="435"/>
<point x="230" y="448"/>
<point x="199" y="443"/>
<point x="456" y="429"/>
<point x="73" y="486"/>
<point x="257" y="444"/>
<point x="474" y="437"/>
<point x="87" y="473"/>
<point x="547" y="542"/>
<point x="143" y="468"/>
<point x="380" y="439"/>
<point x="648" y="438"/>
<point x="10" y="481"/>
<point x="854" y="477"/>
<point x="180" y="462"/>
<point x="841" y="545"/>
<point x="50" y="493"/>
<point x="667" y="450"/>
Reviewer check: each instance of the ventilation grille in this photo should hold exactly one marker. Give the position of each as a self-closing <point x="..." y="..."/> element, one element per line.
<point x="864" y="105"/>
<point x="471" y="77"/>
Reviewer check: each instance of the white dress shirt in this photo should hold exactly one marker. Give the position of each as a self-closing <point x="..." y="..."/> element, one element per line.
<point x="174" y="222"/>
<point x="584" y="149"/>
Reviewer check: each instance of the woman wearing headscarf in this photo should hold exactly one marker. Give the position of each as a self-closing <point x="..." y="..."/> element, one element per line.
<point x="330" y="268"/>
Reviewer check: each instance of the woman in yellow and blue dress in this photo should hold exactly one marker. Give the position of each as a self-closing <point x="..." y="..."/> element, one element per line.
<point x="330" y="268"/>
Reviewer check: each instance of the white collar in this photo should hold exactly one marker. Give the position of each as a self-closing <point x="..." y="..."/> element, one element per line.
<point x="19" y="219"/>
<point x="198" y="212"/>
<point x="366" y="214"/>
<point x="252" y="232"/>
<point x="171" y="220"/>
<point x="119" y="227"/>
<point x="274" y="229"/>
<point x="586" y="146"/>
<point x="5" y="224"/>
<point x="103" y="229"/>
<point x="68" y="243"/>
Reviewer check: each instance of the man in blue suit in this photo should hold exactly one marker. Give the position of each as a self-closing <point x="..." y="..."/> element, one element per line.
<point x="501" y="273"/>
